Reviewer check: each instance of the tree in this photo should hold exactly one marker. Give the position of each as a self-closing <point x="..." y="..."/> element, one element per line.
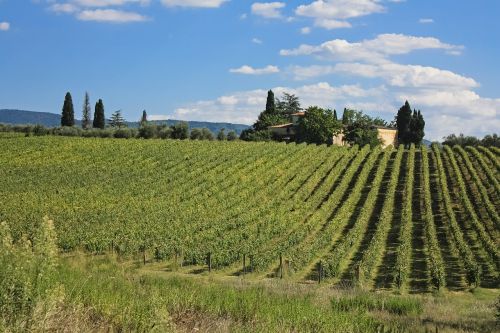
<point x="117" y="120"/>
<point x="270" y="103"/>
<point x="403" y="120"/>
<point x="196" y="134"/>
<point x="335" y="115"/>
<point x="360" y="129"/>
<point x="86" y="112"/>
<point x="180" y="130"/>
<point x="232" y="136"/>
<point x="270" y="116"/>
<point x="420" y="132"/>
<point x="68" y="113"/>
<point x="99" y="120"/>
<point x="289" y="104"/>
<point x="207" y="134"/>
<point x="221" y="136"/>
<point x="144" y="118"/>
<point x="317" y="126"/>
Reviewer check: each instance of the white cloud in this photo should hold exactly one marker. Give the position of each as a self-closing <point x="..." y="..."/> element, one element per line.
<point x="425" y="21"/>
<point x="248" y="70"/>
<point x="110" y="15"/>
<point x="66" y="8"/>
<point x="305" y="30"/>
<point x="268" y="9"/>
<point x="340" y="9"/>
<point x="194" y="3"/>
<point x="332" y="14"/>
<point x="256" y="41"/>
<point x="107" y="3"/>
<point x="408" y="75"/>
<point x="4" y="26"/>
<point x="331" y="24"/>
<point x="373" y="50"/>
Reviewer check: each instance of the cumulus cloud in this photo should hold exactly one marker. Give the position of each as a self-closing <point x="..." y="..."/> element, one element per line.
<point x="340" y="9"/>
<point x="396" y="75"/>
<point x="107" y="3"/>
<point x="110" y="15"/>
<point x="248" y="70"/>
<point x="194" y="3"/>
<point x="256" y="41"/>
<point x="66" y="8"/>
<point x="4" y="26"/>
<point x="333" y="14"/>
<point x="373" y="50"/>
<point x="268" y="9"/>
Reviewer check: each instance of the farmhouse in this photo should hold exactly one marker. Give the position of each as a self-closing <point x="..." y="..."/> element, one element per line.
<point x="287" y="132"/>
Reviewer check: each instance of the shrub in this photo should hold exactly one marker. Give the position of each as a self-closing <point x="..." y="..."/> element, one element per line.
<point x="123" y="133"/>
<point x="148" y="131"/>
<point x="165" y="133"/>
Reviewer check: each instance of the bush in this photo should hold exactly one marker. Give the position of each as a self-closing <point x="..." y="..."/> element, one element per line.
<point x="148" y="131"/>
<point x="180" y="131"/>
<point x="39" y="130"/>
<point x="27" y="274"/>
<point x="67" y="131"/>
<point x="123" y="133"/>
<point x="232" y="136"/>
<point x="165" y="133"/>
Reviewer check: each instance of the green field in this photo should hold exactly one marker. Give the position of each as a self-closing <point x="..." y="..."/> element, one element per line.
<point x="415" y="221"/>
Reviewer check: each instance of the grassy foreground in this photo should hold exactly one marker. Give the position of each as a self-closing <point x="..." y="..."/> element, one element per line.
<point x="102" y="294"/>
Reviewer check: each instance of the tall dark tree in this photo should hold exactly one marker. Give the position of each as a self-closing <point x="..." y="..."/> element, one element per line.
<point x="420" y="134"/>
<point x="403" y="120"/>
<point x="99" y="120"/>
<point x="68" y="113"/>
<point x="86" y="112"/>
<point x="270" y="103"/>
<point x="144" y="118"/>
<point x="335" y="115"/>
<point x="270" y="116"/>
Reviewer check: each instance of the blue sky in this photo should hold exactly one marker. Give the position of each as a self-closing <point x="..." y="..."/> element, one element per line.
<point x="214" y="60"/>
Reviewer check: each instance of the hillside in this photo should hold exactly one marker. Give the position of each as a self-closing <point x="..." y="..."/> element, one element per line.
<point x="414" y="220"/>
<point x="21" y="117"/>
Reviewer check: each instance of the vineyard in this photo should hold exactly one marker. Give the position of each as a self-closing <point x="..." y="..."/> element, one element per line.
<point x="415" y="220"/>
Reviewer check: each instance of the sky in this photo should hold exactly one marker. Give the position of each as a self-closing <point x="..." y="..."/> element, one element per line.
<point x="215" y="60"/>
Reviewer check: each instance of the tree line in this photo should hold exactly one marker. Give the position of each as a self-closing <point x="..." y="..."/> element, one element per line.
<point x="117" y="126"/>
<point x="490" y="140"/>
<point x="319" y="125"/>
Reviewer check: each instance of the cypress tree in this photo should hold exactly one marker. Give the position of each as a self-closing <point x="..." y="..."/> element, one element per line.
<point x="99" y="120"/>
<point x="68" y="113"/>
<point x="420" y="128"/>
<point x="403" y="120"/>
<point x="86" y="112"/>
<point x="335" y="115"/>
<point x="270" y="103"/>
<point x="144" y="118"/>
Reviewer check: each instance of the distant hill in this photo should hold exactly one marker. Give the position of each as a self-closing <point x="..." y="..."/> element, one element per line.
<point x="22" y="117"/>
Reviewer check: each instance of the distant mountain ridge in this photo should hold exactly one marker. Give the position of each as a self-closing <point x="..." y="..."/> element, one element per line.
<point x="47" y="119"/>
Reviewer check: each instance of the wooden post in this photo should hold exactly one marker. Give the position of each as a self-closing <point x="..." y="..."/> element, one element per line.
<point x="281" y="266"/>
<point x="320" y="271"/>
<point x="144" y="255"/>
<point x="244" y="264"/>
<point x="209" y="260"/>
